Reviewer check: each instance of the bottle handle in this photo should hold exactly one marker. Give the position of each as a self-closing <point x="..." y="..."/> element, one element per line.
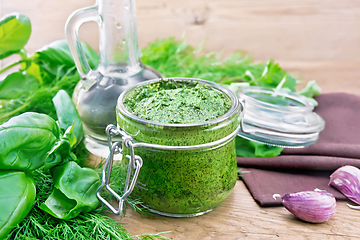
<point x="73" y="23"/>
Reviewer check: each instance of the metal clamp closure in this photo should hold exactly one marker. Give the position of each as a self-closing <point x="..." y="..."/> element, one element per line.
<point x="135" y="163"/>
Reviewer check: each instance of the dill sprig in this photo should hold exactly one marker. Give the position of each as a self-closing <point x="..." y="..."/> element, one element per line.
<point x="91" y="225"/>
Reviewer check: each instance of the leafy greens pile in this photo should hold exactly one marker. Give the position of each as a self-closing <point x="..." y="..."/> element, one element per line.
<point x="37" y="153"/>
<point x="46" y="193"/>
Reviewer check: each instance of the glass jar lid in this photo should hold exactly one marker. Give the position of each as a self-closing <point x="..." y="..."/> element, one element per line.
<point x="278" y="117"/>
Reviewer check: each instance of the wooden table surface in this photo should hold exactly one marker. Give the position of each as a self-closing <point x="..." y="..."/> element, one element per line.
<point x="312" y="39"/>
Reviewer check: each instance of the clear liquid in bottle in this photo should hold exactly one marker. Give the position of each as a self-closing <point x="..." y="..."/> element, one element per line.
<point x="96" y="101"/>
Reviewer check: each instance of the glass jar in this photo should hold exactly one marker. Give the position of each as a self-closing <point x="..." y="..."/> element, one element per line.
<point x="187" y="169"/>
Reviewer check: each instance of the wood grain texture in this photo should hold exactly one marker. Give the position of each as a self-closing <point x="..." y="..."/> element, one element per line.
<point x="280" y="29"/>
<point x="240" y="217"/>
<point x="316" y="39"/>
<point x="313" y="39"/>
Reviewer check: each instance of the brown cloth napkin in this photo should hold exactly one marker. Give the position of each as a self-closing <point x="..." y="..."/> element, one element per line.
<point x="301" y="169"/>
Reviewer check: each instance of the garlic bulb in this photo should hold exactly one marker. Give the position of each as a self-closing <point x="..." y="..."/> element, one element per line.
<point x="347" y="180"/>
<point x="311" y="206"/>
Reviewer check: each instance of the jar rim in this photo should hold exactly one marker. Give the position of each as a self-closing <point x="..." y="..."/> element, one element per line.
<point x="306" y="105"/>
<point x="233" y="98"/>
<point x="287" y="120"/>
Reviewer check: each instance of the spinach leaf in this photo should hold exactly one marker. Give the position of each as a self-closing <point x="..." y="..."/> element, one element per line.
<point x="74" y="191"/>
<point x="58" y="53"/>
<point x="67" y="114"/>
<point x="55" y="60"/>
<point x="26" y="141"/>
<point x="17" y="84"/>
<point x="15" y="30"/>
<point x="247" y="148"/>
<point x="61" y="151"/>
<point x="17" y="198"/>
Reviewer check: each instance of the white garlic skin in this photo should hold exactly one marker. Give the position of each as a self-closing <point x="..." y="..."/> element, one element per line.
<point x="347" y="180"/>
<point x="310" y="206"/>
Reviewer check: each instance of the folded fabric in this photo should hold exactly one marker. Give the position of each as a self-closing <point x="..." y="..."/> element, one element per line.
<point x="300" y="169"/>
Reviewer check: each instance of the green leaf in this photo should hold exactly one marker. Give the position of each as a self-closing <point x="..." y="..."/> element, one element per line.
<point x="61" y="152"/>
<point x="247" y="148"/>
<point x="91" y="55"/>
<point x="17" y="198"/>
<point x="58" y="53"/>
<point x="26" y="141"/>
<point x="15" y="30"/>
<point x="273" y="75"/>
<point x="17" y="84"/>
<point x="264" y="150"/>
<point x="67" y="114"/>
<point x="70" y="136"/>
<point x="310" y="90"/>
<point x="34" y="70"/>
<point x="55" y="60"/>
<point x="75" y="191"/>
<point x="244" y="148"/>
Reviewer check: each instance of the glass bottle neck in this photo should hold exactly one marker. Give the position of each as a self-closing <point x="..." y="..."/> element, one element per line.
<point x="118" y="41"/>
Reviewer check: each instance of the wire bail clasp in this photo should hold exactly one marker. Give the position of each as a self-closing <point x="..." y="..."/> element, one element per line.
<point x="135" y="163"/>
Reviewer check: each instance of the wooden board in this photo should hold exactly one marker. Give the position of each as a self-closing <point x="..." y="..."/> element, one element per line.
<point x="315" y="39"/>
<point x="240" y="217"/>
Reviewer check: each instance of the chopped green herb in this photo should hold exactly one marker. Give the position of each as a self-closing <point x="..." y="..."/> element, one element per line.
<point x="174" y="101"/>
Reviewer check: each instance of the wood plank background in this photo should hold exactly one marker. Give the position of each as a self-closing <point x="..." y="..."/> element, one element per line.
<point x="314" y="39"/>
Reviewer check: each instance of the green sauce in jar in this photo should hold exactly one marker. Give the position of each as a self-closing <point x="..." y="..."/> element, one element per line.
<point x="169" y="101"/>
<point x="182" y="182"/>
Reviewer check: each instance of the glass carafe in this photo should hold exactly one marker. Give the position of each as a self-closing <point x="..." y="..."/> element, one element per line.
<point x="120" y="66"/>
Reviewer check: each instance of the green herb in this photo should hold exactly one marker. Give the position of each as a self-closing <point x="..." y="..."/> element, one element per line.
<point x="310" y="90"/>
<point x="26" y="140"/>
<point x="246" y="148"/>
<point x="31" y="141"/>
<point x="69" y="198"/>
<point x="15" y="30"/>
<point x="90" y="225"/>
<point x="31" y="89"/>
<point x="178" y="59"/>
<point x="40" y="76"/>
<point x="35" y="144"/>
<point x="239" y="173"/>
<point x="17" y="197"/>
<point x="67" y="115"/>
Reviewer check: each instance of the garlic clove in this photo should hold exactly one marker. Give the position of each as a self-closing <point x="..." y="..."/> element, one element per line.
<point x="310" y="206"/>
<point x="347" y="180"/>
